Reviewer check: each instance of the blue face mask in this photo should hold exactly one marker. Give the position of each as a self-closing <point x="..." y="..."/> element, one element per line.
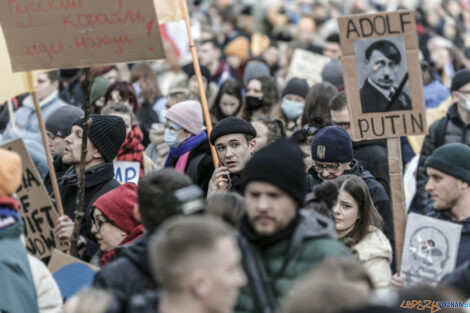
<point x="292" y="109"/>
<point x="163" y="116"/>
<point x="171" y="137"/>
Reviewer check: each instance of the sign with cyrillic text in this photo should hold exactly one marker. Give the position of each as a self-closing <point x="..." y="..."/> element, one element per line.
<point x="382" y="75"/>
<point x="47" y="34"/>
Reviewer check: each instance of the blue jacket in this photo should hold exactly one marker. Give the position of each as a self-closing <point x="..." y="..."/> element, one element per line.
<point x="27" y="122"/>
<point x="464" y="245"/>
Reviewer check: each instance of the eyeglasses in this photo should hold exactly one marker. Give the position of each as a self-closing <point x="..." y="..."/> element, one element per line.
<point x="98" y="223"/>
<point x="330" y="168"/>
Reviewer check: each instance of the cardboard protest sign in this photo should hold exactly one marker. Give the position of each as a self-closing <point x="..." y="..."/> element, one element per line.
<point x="12" y="84"/>
<point x="126" y="172"/>
<point x="168" y="11"/>
<point x="307" y="65"/>
<point x="44" y="34"/>
<point x="430" y="249"/>
<point x="36" y="208"/>
<point x="382" y="75"/>
<point x="70" y="273"/>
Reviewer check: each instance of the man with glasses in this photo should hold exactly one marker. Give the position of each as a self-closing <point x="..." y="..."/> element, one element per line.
<point x="333" y="156"/>
<point x="371" y="154"/>
<point x="454" y="127"/>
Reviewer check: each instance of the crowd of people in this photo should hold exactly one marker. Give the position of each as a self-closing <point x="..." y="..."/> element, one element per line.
<point x="296" y="217"/>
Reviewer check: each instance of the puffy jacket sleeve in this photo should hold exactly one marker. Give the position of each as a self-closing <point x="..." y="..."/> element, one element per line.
<point x="48" y="293"/>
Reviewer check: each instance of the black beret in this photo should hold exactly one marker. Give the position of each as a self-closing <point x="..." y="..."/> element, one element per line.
<point x="231" y="125"/>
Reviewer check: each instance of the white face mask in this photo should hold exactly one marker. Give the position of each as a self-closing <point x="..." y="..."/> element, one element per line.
<point x="465" y="105"/>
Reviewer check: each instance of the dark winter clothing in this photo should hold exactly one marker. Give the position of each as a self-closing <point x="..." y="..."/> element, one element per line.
<point x="61" y="120"/>
<point x="451" y="159"/>
<point x="60" y="169"/>
<point x="132" y="149"/>
<point x="460" y="279"/>
<point x="99" y="179"/>
<point x="199" y="166"/>
<point x="332" y="144"/>
<point x="464" y="247"/>
<point x="377" y="192"/>
<point x="107" y="133"/>
<point x="461" y="78"/>
<point x="315" y="241"/>
<point x="147" y="117"/>
<point x="286" y="158"/>
<point x="372" y="155"/>
<point x="296" y="86"/>
<point x="131" y="262"/>
<point x="455" y="131"/>
<point x="231" y="125"/>
<point x="74" y="93"/>
<point x="17" y="291"/>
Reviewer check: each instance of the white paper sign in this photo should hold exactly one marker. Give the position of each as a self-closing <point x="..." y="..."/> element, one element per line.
<point x="307" y="65"/>
<point x="430" y="249"/>
<point x="126" y="172"/>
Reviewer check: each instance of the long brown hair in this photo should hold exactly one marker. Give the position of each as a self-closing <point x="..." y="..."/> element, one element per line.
<point x="369" y="216"/>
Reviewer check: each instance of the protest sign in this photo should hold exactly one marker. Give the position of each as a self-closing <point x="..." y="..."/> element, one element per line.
<point x="12" y="84"/>
<point x="382" y="75"/>
<point x="126" y="172"/>
<point x="70" y="273"/>
<point x="43" y="34"/>
<point x="36" y="208"/>
<point x="168" y="11"/>
<point x="430" y="249"/>
<point x="307" y="65"/>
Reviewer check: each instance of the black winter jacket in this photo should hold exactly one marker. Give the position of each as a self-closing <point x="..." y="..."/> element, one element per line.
<point x="99" y="179"/>
<point x="129" y="273"/>
<point x="456" y="131"/>
<point x="377" y="192"/>
<point x="372" y="154"/>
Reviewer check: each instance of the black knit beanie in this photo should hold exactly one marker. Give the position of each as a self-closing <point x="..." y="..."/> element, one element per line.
<point x="296" y="86"/>
<point x="60" y="121"/>
<point x="107" y="133"/>
<point x="332" y="144"/>
<point x="461" y="78"/>
<point x="231" y="125"/>
<point x="281" y="164"/>
<point x="452" y="159"/>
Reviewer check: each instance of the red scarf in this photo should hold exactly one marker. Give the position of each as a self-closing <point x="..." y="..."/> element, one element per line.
<point x="132" y="149"/>
<point x="137" y="232"/>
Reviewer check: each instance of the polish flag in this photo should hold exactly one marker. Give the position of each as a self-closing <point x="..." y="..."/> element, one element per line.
<point x="172" y="25"/>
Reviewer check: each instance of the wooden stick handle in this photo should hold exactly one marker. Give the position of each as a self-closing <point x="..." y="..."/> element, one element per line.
<point x="197" y="70"/>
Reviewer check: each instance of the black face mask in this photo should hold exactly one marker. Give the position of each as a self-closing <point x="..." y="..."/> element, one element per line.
<point x="253" y="103"/>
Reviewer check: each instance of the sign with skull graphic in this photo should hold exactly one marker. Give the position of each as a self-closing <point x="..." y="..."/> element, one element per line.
<point x="430" y="249"/>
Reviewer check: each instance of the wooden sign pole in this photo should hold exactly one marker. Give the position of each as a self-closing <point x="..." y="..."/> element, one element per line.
<point x="197" y="70"/>
<point x="55" y="186"/>
<point x="398" y="195"/>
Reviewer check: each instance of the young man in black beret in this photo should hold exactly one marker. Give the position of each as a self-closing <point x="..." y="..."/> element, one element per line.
<point x="234" y="141"/>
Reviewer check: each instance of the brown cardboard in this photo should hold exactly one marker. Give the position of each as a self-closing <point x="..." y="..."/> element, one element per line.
<point x="376" y="117"/>
<point x="307" y="65"/>
<point x="36" y="208"/>
<point x="59" y="260"/>
<point x="43" y="34"/>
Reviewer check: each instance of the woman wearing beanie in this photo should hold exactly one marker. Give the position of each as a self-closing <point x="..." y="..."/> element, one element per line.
<point x="293" y="103"/>
<point x="114" y="222"/>
<point x="358" y="221"/>
<point x="189" y="146"/>
<point x="132" y="149"/>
